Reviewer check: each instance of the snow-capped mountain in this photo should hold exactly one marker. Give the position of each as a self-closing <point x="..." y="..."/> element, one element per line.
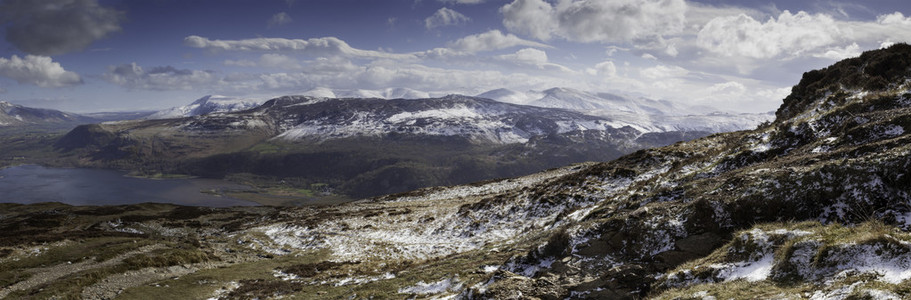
<point x="18" y="115"/>
<point x="206" y="105"/>
<point x="388" y="93"/>
<point x="454" y="115"/>
<point x="593" y="103"/>
<point x="644" y="114"/>
<point x="511" y="96"/>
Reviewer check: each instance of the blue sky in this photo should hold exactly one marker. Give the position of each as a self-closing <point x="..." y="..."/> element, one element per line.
<point x="106" y="55"/>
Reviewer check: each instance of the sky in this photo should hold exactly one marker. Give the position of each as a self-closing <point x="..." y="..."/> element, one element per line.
<point x="119" y="55"/>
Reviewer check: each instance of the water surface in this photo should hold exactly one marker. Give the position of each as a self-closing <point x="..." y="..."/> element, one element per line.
<point x="34" y="184"/>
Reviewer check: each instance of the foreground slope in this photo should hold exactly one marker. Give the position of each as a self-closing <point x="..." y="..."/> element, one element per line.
<point x="814" y="205"/>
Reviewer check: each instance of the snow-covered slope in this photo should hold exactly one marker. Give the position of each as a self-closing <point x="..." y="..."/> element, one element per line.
<point x="18" y="115"/>
<point x="641" y="113"/>
<point x="511" y="96"/>
<point x="206" y="105"/>
<point x="388" y="93"/>
<point x="454" y="115"/>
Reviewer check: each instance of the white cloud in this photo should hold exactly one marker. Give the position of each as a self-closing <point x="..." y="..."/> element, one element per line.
<point x="896" y="18"/>
<point x="240" y="63"/>
<point x="268" y="60"/>
<point x="730" y="88"/>
<point x="338" y="73"/>
<point x="462" y="1"/>
<point x="671" y="50"/>
<point x="37" y="70"/>
<point x="385" y="74"/>
<point x="273" y="60"/>
<point x="606" y="68"/>
<point x="639" y="21"/>
<point x="662" y="71"/>
<point x="279" y="19"/>
<point x="52" y="27"/>
<point x="319" y="47"/>
<point x="530" y="17"/>
<point x="839" y="53"/>
<point x="774" y="94"/>
<point x="530" y="57"/>
<point x="799" y="35"/>
<point x="445" y="17"/>
<point x="527" y="56"/>
<point x="788" y="35"/>
<point x="491" y="40"/>
<point x="163" y="78"/>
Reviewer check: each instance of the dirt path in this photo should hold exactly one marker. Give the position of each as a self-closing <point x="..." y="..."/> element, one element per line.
<point x="44" y="275"/>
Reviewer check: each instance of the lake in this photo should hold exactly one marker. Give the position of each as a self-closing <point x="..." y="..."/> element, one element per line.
<point x="33" y="184"/>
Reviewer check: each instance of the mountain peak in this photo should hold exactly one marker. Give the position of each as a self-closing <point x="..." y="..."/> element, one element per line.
<point x="206" y="105"/>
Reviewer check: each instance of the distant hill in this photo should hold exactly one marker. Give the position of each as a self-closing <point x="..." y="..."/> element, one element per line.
<point x="206" y="105"/>
<point x="13" y="115"/>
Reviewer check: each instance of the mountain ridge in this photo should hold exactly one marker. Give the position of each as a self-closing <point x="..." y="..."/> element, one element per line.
<point x="18" y="115"/>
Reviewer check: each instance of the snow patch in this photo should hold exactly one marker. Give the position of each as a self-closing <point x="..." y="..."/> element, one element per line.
<point x="893" y="130"/>
<point x="750" y="271"/>
<point x="442" y="286"/>
<point x="358" y="280"/>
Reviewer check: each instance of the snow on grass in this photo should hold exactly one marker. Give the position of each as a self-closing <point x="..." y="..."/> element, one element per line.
<point x="837" y="294"/>
<point x="364" y="124"/>
<point x="875" y="259"/>
<point x="284" y="276"/>
<point x="762" y="143"/>
<point x="358" y="280"/>
<point x="433" y="225"/>
<point x="750" y="271"/>
<point x="445" y="285"/>
<point x="490" y="268"/>
<point x="893" y="130"/>
<point x="663" y="233"/>
<point x="704" y="295"/>
<point x="759" y="262"/>
<point x="458" y="112"/>
<point x="826" y="146"/>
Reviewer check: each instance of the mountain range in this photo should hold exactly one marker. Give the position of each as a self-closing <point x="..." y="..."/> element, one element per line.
<point x="18" y="115"/>
<point x="362" y="147"/>
<point x="814" y="205"/>
<point x="643" y="114"/>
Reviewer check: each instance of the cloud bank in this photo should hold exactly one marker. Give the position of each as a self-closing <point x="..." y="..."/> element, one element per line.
<point x="41" y="71"/>
<point x="52" y="27"/>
